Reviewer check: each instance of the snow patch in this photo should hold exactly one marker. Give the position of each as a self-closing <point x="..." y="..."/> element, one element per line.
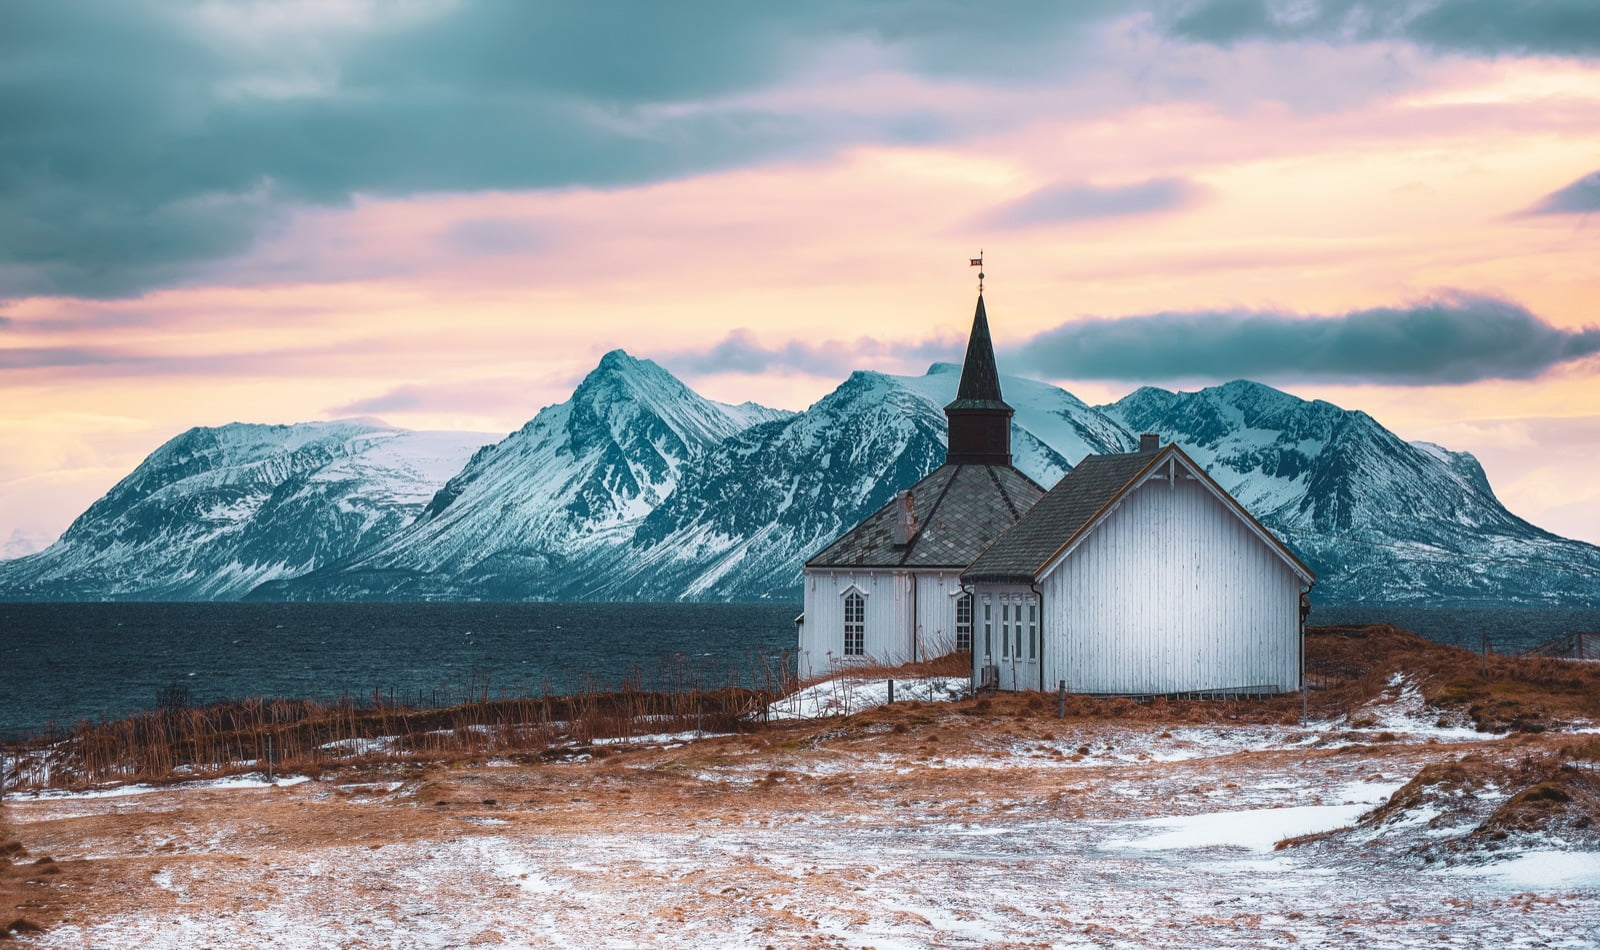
<point x="845" y="695"/>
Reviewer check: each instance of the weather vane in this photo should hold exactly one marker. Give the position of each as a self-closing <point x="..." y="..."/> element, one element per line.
<point x="978" y="263"/>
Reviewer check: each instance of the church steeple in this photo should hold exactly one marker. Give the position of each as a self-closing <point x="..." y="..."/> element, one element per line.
<point x="979" y="419"/>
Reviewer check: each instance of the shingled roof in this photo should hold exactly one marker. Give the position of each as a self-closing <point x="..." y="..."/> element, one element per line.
<point x="980" y="377"/>
<point x="960" y="509"/>
<point x="1071" y="508"/>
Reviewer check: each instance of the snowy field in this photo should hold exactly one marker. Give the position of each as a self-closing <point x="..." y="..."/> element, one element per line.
<point x="927" y="828"/>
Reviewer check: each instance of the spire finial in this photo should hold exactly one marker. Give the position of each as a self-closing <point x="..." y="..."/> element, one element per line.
<point x="978" y="263"/>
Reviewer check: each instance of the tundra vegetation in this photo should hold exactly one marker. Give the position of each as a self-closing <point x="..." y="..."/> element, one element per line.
<point x="625" y="814"/>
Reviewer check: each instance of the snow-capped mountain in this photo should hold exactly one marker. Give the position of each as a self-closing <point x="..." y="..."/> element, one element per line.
<point x="742" y="523"/>
<point x="216" y="511"/>
<point x="560" y="510"/>
<point x="1381" y="520"/>
<point x="526" y="515"/>
<point x="637" y="488"/>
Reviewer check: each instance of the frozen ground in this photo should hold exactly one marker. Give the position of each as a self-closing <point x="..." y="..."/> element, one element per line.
<point x="925" y="828"/>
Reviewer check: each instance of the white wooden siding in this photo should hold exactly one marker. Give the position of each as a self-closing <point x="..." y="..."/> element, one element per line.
<point x="891" y="597"/>
<point x="1172" y="593"/>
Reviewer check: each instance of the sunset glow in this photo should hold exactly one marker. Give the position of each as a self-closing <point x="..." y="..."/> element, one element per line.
<point x="301" y="224"/>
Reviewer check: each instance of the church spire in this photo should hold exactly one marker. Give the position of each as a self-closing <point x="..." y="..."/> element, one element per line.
<point x="979" y="419"/>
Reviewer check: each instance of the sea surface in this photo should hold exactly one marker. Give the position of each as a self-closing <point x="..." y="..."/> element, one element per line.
<point x="63" y="663"/>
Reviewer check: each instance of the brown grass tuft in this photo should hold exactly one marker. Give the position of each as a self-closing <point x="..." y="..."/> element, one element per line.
<point x="20" y="925"/>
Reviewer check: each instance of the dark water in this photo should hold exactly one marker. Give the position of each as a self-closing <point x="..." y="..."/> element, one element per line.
<point x="1508" y="630"/>
<point x="61" y="663"/>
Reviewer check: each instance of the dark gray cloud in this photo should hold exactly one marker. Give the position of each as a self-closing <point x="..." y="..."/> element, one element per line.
<point x="136" y="147"/>
<point x="1456" y="338"/>
<point x="1580" y="197"/>
<point x="1540" y="27"/>
<point x="1073" y="201"/>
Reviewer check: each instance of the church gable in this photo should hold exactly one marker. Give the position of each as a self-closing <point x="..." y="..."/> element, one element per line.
<point x="1084" y="498"/>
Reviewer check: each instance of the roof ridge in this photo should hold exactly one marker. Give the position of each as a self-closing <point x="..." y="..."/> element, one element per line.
<point x="1005" y="496"/>
<point x="912" y="544"/>
<point x="1105" y="508"/>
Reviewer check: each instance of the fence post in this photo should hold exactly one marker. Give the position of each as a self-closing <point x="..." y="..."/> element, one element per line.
<point x="1061" y="700"/>
<point x="269" y="758"/>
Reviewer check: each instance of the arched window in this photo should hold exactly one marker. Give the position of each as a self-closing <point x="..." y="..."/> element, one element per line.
<point x="964" y="623"/>
<point x="855" y="624"/>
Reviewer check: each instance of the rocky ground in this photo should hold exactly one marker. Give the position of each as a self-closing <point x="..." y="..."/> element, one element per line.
<point x="1388" y="820"/>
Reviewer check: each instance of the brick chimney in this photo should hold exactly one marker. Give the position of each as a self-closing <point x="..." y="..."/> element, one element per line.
<point x="905" y="521"/>
<point x="1149" y="442"/>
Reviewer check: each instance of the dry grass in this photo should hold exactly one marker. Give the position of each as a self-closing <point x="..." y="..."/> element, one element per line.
<point x="1350" y="666"/>
<point x="18" y="877"/>
<point x="1526" y="694"/>
<point x="951" y="664"/>
<point x="845" y="780"/>
<point x="1483" y="802"/>
<point x="307" y="737"/>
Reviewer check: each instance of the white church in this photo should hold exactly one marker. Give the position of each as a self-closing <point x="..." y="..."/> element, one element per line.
<point x="889" y="589"/>
<point x="1137" y="574"/>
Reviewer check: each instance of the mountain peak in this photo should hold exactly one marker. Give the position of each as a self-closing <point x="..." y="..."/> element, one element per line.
<point x="940" y="368"/>
<point x="1242" y="387"/>
<point x="618" y="359"/>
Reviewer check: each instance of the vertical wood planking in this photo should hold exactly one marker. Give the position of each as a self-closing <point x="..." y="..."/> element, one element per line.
<point x="1172" y="593"/>
<point x="890" y="600"/>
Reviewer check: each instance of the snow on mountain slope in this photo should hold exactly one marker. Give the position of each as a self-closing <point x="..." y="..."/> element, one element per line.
<point x="523" y="516"/>
<point x="1380" y="519"/>
<point x="215" y="511"/>
<point x="638" y="488"/>
<point x="1052" y="429"/>
<point x="742" y="523"/>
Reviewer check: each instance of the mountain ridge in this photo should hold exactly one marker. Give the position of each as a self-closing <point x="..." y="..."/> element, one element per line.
<point x="638" y="488"/>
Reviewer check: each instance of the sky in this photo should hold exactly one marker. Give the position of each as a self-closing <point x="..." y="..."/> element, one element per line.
<point x="441" y="213"/>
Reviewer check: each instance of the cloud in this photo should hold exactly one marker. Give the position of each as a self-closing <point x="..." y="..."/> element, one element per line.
<point x="495" y="236"/>
<point x="1073" y="201"/>
<point x="145" y="140"/>
<point x="1580" y="197"/>
<point x="48" y="357"/>
<point x="144" y="143"/>
<point x="1453" y="339"/>
<point x="483" y="395"/>
<point x="741" y="352"/>
<point x="1492" y="27"/>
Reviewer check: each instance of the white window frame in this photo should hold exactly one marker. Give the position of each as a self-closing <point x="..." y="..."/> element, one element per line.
<point x="964" y="628"/>
<point x="855" y="629"/>
<point x="1033" y="629"/>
